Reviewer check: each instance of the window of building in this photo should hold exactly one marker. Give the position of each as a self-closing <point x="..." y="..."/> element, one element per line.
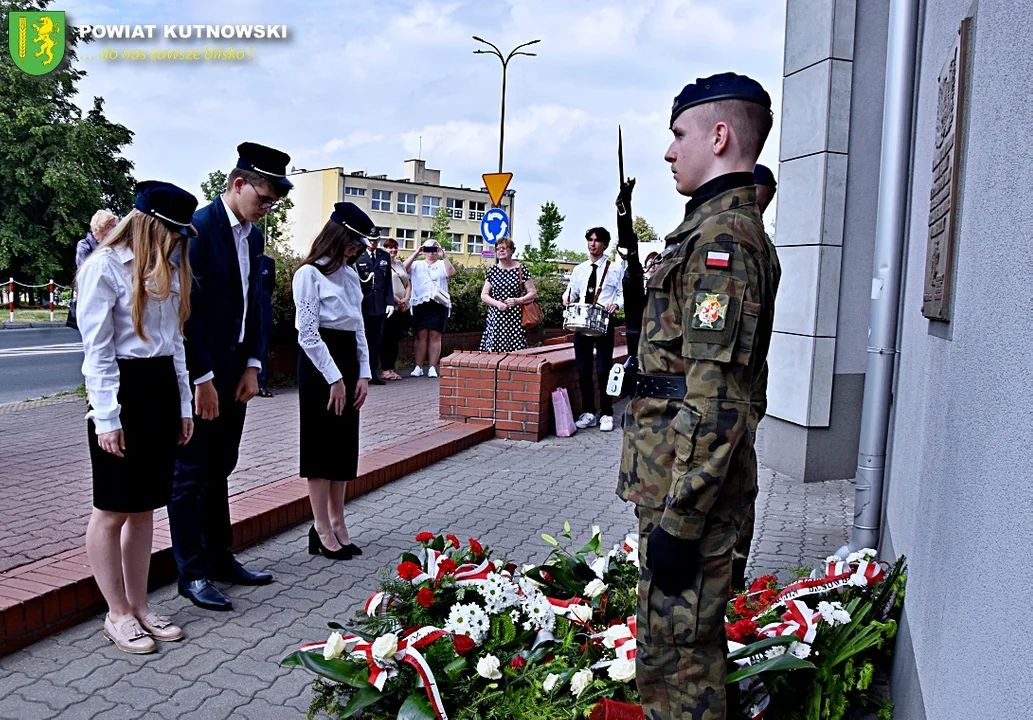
<point x="476" y="211"/>
<point x="431" y="205"/>
<point x="385" y="232"/>
<point x="456" y="241"/>
<point x="356" y="191"/>
<point x="455" y="208"/>
<point x="406" y="203"/>
<point x="474" y="243"/>
<point x="381" y="200"/>
<point x="406" y="239"/>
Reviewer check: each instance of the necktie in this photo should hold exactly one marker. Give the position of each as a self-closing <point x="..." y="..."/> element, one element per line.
<point x="373" y="269"/>
<point x="590" y="289"/>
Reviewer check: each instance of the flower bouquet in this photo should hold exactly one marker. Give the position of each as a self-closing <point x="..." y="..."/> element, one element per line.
<point x="454" y="633"/>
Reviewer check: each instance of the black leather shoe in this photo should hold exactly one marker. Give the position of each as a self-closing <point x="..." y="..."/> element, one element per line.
<point x="205" y="595"/>
<point x="239" y="575"/>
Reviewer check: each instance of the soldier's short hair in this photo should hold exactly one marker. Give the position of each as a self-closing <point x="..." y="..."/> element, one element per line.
<point x="255" y="179"/>
<point x="750" y="122"/>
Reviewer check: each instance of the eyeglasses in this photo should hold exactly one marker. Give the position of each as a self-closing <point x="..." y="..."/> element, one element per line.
<point x="265" y="202"/>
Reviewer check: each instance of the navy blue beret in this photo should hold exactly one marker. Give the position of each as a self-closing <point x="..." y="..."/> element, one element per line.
<point x="266" y="161"/>
<point x="724" y="86"/>
<point x="173" y="205"/>
<point x="762" y="175"/>
<point x="352" y="217"/>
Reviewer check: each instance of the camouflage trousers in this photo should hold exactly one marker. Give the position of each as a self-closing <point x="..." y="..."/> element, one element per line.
<point x="681" y="646"/>
<point x="741" y="552"/>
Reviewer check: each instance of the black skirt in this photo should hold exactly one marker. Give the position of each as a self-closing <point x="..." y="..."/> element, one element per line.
<point x="429" y="316"/>
<point x="148" y="392"/>
<point x="329" y="442"/>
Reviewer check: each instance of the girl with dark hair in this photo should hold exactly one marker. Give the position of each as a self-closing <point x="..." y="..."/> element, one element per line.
<point x="333" y="372"/>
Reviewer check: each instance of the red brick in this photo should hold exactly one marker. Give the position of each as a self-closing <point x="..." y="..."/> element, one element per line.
<point x="511" y="406"/>
<point x="33" y="614"/>
<point x="509" y="425"/>
<point x="509" y="385"/>
<point x="526" y="397"/>
<point x="13" y="621"/>
<point x="480" y="403"/>
<point x="36" y="587"/>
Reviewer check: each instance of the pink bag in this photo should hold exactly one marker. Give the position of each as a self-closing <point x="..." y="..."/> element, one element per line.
<point x="564" y="415"/>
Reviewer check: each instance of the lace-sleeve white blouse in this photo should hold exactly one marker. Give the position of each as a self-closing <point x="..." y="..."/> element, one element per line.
<point x="329" y="301"/>
<point x="105" y="320"/>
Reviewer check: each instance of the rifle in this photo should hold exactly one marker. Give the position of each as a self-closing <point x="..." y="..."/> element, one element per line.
<point x="623" y="379"/>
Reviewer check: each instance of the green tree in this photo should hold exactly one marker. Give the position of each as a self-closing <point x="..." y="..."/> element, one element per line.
<point x="58" y="165"/>
<point x="572" y="256"/>
<point x="644" y="230"/>
<point x="275" y="226"/>
<point x="440" y="229"/>
<point x="539" y="260"/>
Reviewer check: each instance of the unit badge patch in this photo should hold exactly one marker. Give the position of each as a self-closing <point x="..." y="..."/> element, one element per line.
<point x="710" y="312"/>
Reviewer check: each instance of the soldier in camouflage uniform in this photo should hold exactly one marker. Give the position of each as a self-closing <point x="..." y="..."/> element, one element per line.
<point x="688" y="460"/>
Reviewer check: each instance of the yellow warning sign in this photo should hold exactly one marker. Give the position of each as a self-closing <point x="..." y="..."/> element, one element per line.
<point x="496" y="184"/>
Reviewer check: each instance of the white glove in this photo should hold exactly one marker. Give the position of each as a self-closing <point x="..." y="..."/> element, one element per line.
<point x="390" y="310"/>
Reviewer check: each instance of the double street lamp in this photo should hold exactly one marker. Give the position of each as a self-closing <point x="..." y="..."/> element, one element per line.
<point x="505" y="63"/>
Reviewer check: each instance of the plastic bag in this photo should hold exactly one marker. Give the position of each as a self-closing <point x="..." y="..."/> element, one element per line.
<point x="564" y="415"/>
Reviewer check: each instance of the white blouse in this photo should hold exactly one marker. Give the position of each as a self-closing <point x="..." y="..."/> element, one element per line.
<point x="425" y="277"/>
<point x="104" y="314"/>
<point x="334" y="302"/>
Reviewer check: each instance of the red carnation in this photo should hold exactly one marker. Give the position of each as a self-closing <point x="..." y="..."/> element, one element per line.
<point x="452" y="539"/>
<point x="408" y="570"/>
<point x="763" y="583"/>
<point x="425" y="597"/>
<point x="463" y="644"/>
<point x="766" y="598"/>
<point x="447" y="565"/>
<point x="517" y="662"/>
<point x="476" y="547"/>
<point x="424" y="537"/>
<point x="742" y="631"/>
<point x="740" y="605"/>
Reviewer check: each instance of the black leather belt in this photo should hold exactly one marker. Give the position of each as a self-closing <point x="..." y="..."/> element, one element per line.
<point x="671" y="387"/>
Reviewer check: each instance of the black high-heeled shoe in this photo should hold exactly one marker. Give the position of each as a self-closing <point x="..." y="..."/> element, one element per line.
<point x="351" y="547"/>
<point x="316" y="547"/>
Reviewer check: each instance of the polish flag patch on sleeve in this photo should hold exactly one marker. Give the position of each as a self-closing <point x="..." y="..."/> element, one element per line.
<point x="718" y="259"/>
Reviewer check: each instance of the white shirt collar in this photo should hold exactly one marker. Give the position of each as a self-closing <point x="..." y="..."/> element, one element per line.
<point x="124" y="253"/>
<point x="236" y="225"/>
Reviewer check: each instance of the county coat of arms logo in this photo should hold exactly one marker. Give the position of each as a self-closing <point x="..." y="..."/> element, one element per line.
<point x="710" y="312"/>
<point x="37" y="40"/>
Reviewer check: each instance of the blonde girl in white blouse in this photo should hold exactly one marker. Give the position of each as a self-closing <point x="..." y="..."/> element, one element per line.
<point x="132" y="307"/>
<point x="333" y="373"/>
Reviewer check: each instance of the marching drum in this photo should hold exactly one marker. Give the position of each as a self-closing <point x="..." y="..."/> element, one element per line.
<point x="585" y="319"/>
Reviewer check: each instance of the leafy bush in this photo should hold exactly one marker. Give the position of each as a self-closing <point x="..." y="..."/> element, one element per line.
<point x="283" y="297"/>
<point x="468" y="312"/>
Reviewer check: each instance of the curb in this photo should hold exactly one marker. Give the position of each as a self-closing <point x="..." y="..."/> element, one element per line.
<point x="17" y="325"/>
<point x="46" y="596"/>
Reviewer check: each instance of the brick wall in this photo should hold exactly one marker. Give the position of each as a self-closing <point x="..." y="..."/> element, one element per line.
<point x="513" y="390"/>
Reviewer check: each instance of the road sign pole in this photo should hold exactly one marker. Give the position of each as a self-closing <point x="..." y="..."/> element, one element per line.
<point x="51" y="299"/>
<point x="10" y="297"/>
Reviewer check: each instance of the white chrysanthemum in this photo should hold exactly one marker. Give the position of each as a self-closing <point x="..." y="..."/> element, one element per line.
<point x="498" y="593"/>
<point x="775" y="652"/>
<point x="468" y="619"/>
<point x="539" y="610"/>
<point x="800" y="649"/>
<point x="528" y="586"/>
<point x="580" y="682"/>
<point x="863" y="554"/>
<point x="833" y="559"/>
<point x="833" y="613"/>
<point x="514" y="615"/>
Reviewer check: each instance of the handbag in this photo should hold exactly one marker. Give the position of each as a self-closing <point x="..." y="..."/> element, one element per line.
<point x="565" y="426"/>
<point x="531" y="314"/>
<point x="71" y="321"/>
<point x="440" y="297"/>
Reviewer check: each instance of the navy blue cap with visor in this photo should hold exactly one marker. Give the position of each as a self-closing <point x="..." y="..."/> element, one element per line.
<point x="723" y="86"/>
<point x="164" y="201"/>
<point x="355" y="219"/>
<point x="267" y="162"/>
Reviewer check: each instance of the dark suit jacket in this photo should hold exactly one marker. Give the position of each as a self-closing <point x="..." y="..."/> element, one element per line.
<point x="217" y="300"/>
<point x="376" y="291"/>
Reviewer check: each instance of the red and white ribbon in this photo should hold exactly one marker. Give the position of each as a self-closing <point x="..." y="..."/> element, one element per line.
<point x="799" y="620"/>
<point x="838" y="574"/>
<point x="378" y="603"/>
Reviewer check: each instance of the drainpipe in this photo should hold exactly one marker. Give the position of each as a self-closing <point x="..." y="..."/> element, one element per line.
<point x="890" y="231"/>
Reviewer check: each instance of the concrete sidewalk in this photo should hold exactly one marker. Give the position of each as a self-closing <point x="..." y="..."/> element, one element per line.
<point x="46" y="487"/>
<point x="501" y="492"/>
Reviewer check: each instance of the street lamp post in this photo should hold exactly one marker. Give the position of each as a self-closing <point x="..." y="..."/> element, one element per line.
<point x="505" y="63"/>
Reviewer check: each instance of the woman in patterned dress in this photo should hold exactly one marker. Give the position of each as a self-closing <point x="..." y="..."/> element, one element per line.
<point x="507" y="287"/>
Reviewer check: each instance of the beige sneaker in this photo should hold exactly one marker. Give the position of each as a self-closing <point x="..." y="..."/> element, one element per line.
<point x="160" y="627"/>
<point x="128" y="636"/>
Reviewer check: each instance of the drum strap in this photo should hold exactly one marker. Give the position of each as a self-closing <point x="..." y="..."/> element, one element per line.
<point x="599" y="290"/>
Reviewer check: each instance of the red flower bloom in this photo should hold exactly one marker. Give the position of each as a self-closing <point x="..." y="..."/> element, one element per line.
<point x="452" y="539"/>
<point x="463" y="644"/>
<point x="447" y="565"/>
<point x="476" y="547"/>
<point x="424" y="537"/>
<point x="517" y="662"/>
<point x="408" y="570"/>
<point x="766" y="598"/>
<point x="741" y="631"/>
<point x="763" y="583"/>
<point x="425" y="597"/>
<point x="740" y="606"/>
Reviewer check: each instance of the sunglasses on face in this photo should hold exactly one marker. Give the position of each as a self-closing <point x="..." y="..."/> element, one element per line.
<point x="265" y="202"/>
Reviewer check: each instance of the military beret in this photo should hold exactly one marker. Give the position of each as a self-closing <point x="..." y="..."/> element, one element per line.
<point x="352" y="217"/>
<point x="762" y="175"/>
<point x="724" y="86"/>
<point x="173" y="205"/>
<point x="266" y="161"/>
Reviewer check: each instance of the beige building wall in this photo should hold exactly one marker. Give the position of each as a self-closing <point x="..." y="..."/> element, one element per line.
<point x="402" y="208"/>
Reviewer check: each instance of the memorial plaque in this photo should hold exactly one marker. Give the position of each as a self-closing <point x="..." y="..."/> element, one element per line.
<point x="943" y="196"/>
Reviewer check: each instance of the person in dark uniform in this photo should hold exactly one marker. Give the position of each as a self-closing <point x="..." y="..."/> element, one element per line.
<point x="764" y="179"/>
<point x="333" y="372"/>
<point x="267" y="275"/>
<point x="378" y="303"/>
<point x="131" y="314"/>
<point x="223" y="344"/>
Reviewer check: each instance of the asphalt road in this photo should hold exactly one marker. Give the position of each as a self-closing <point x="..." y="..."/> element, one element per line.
<point x="39" y="361"/>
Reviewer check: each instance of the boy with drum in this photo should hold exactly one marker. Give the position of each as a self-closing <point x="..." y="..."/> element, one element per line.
<point x="595" y="283"/>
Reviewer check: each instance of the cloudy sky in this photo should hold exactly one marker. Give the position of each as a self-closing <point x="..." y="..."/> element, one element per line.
<point x="362" y="83"/>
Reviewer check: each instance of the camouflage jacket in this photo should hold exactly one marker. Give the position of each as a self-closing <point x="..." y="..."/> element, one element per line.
<point x="709" y="315"/>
